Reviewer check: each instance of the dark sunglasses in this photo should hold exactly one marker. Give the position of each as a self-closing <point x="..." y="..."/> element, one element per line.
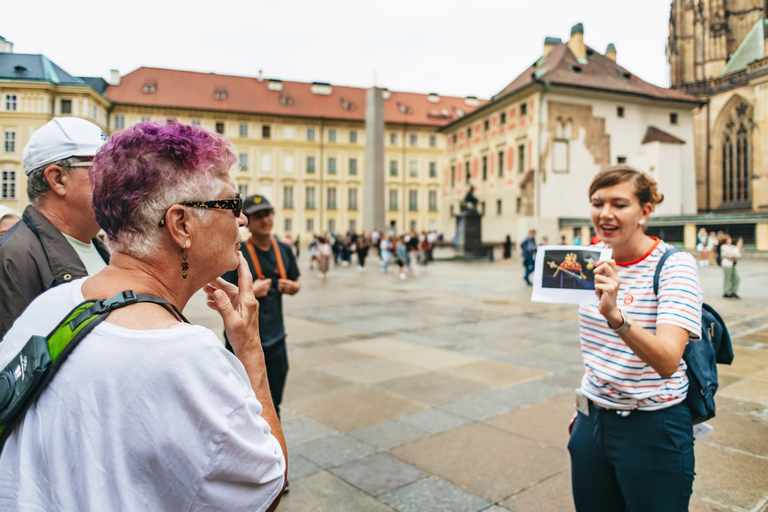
<point x="236" y="205"/>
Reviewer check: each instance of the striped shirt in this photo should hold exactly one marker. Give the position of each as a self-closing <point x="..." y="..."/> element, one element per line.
<point x="615" y="377"/>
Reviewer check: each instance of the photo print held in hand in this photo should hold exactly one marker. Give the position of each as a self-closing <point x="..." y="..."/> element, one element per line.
<point x="566" y="274"/>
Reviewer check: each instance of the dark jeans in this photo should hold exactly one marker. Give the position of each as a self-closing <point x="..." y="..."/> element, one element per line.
<point x="529" y="265"/>
<point x="639" y="463"/>
<point x="276" y="361"/>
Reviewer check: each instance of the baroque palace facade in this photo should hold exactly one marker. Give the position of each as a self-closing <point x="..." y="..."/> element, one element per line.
<point x="302" y="145"/>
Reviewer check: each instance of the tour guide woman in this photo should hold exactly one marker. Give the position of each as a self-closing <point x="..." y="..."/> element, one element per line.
<point x="149" y="412"/>
<point x="632" y="441"/>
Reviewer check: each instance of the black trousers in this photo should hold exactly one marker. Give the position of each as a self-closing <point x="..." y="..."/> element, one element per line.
<point x="276" y="361"/>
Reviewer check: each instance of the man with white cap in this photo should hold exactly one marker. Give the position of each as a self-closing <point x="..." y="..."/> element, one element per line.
<point x="56" y="241"/>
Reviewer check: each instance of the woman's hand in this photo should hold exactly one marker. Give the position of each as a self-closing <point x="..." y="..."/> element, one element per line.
<point x="238" y="308"/>
<point x="607" y="284"/>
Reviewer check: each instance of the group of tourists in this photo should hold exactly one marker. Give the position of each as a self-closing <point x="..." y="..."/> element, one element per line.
<point x="152" y="413"/>
<point x="410" y="252"/>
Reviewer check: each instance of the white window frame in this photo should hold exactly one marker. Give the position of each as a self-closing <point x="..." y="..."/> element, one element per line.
<point x="9" y="184"/>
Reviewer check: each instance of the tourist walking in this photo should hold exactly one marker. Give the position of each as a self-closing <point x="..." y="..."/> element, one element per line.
<point x="701" y="246"/>
<point x="385" y="252"/>
<point x="362" y="251"/>
<point x="528" y="249"/>
<point x="324" y="255"/>
<point x="631" y="444"/>
<point x="730" y="255"/>
<point x="506" y="251"/>
<point x="712" y="247"/>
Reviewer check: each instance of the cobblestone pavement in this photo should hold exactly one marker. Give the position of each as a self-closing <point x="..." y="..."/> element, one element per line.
<point x="451" y="391"/>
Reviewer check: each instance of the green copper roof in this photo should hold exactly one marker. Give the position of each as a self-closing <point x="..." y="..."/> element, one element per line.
<point x="751" y="49"/>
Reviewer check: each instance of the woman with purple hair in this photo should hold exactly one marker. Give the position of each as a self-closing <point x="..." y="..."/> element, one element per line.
<point x="149" y="412"/>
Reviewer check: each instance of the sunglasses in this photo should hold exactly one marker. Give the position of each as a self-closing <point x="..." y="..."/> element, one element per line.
<point x="236" y="205"/>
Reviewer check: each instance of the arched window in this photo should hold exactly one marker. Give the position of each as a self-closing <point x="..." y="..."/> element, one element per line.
<point x="737" y="155"/>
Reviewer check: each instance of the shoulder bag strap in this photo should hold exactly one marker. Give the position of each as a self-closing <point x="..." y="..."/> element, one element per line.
<point x="279" y="259"/>
<point x="255" y="259"/>
<point x="659" y="266"/>
<point x="75" y="326"/>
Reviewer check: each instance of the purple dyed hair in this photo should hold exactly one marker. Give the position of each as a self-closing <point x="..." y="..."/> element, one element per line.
<point x="139" y="173"/>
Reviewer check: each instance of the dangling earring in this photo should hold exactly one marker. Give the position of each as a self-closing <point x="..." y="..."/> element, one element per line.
<point x="184" y="263"/>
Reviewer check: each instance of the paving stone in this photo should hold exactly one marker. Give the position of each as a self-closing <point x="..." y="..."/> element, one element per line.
<point x="751" y="389"/>
<point x="324" y="491"/>
<point x="515" y="463"/>
<point x="698" y="504"/>
<point x="381" y="346"/>
<point x="299" y="466"/>
<point x="304" y="383"/>
<point x="475" y="408"/>
<point x="378" y="473"/>
<point x="319" y="356"/>
<point x="744" y="431"/>
<point x="333" y="450"/>
<point x="730" y="477"/>
<point x="303" y="429"/>
<point x="523" y="394"/>
<point x="355" y="407"/>
<point x="546" y="421"/>
<point x="434" y="420"/>
<point x="495" y="508"/>
<point x="370" y="370"/>
<point x="288" y="414"/>
<point x="433" y="494"/>
<point x="495" y="373"/>
<point x="433" y="388"/>
<point x="303" y="331"/>
<point x="389" y="433"/>
<point x="553" y="493"/>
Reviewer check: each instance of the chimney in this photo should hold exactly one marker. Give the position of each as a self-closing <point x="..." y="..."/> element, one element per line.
<point x="550" y="43"/>
<point x="5" y="46"/>
<point x="610" y="52"/>
<point x="576" y="43"/>
<point x="114" y="77"/>
<point x="260" y="78"/>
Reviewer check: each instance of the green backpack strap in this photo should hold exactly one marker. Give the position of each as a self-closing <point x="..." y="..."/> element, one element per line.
<point x="29" y="372"/>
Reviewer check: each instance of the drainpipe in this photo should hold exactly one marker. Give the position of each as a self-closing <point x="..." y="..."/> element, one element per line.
<point x="405" y="178"/>
<point x="537" y="181"/>
<point x="321" y="195"/>
<point x="709" y="150"/>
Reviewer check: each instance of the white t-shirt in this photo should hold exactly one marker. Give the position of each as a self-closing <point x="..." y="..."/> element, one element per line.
<point x="90" y="257"/>
<point x="138" y="420"/>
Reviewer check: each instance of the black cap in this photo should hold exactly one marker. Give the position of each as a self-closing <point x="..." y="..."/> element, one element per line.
<point x="255" y="203"/>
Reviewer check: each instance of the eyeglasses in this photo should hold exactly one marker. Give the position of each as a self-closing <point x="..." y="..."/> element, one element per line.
<point x="236" y="205"/>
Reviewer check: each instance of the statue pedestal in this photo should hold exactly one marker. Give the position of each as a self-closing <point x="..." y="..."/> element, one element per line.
<point x="469" y="234"/>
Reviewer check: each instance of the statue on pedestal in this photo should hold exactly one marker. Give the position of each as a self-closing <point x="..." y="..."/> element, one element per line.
<point x="470" y="201"/>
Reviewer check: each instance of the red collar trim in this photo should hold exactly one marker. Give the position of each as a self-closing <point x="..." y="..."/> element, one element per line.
<point x="630" y="263"/>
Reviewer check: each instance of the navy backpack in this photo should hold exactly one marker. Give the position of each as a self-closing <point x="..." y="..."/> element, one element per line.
<point x="702" y="355"/>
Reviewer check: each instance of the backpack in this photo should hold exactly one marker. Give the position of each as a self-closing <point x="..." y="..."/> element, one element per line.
<point x="702" y="355"/>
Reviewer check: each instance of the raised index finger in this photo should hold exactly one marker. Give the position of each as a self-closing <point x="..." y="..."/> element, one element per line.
<point x="244" y="277"/>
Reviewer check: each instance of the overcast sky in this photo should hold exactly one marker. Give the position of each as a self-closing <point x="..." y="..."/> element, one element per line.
<point x="459" y="48"/>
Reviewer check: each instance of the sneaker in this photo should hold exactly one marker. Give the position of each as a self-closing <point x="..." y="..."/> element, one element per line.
<point x="734" y="296"/>
<point x="402" y="275"/>
<point x="287" y="487"/>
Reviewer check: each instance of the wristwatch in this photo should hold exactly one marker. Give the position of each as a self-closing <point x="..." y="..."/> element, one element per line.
<point x="624" y="326"/>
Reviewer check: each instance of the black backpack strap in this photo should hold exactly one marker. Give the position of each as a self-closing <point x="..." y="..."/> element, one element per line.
<point x="659" y="266"/>
<point x="51" y="352"/>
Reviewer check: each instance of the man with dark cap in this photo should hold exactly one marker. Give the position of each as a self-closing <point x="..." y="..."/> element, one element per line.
<point x="55" y="242"/>
<point x="275" y="273"/>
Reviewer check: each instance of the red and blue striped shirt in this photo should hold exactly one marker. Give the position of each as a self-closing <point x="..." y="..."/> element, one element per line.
<point x="615" y="377"/>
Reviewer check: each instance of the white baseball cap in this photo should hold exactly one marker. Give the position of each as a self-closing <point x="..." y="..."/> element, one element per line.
<point x="62" y="137"/>
<point x="5" y="211"/>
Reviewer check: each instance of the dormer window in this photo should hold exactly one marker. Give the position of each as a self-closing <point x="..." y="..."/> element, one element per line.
<point x="20" y="70"/>
<point x="149" y="88"/>
<point x="285" y="100"/>
<point x="220" y="94"/>
<point x="404" y="109"/>
<point x="346" y="105"/>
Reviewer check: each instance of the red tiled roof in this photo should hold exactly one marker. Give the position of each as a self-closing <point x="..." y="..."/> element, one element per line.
<point x="560" y="67"/>
<point x="656" y="135"/>
<point x="192" y="90"/>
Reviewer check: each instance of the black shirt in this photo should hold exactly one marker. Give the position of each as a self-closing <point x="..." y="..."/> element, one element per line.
<point x="271" y="326"/>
